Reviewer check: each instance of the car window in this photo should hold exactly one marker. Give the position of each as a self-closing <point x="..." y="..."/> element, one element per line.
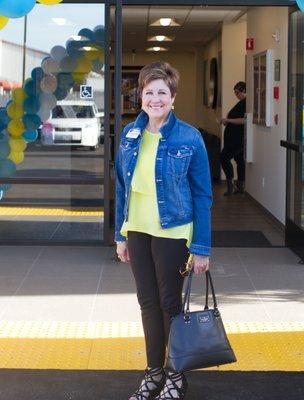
<point x="73" y="111"/>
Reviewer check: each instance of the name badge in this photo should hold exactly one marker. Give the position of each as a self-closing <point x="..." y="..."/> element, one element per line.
<point x="133" y="133"/>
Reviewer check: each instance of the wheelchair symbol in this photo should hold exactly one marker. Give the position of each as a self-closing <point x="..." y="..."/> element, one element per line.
<point x="86" y="92"/>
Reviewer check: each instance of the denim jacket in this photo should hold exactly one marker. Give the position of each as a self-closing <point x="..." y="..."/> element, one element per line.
<point x="182" y="178"/>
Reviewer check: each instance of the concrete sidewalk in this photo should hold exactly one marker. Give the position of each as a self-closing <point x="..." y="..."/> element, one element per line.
<point x="69" y="316"/>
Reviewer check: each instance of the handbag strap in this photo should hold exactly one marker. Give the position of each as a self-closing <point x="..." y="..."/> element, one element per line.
<point x="186" y="301"/>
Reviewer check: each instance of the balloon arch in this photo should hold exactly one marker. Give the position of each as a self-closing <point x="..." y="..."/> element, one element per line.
<point x="31" y="105"/>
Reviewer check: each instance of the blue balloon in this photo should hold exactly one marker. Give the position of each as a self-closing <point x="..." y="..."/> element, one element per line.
<point x="60" y="93"/>
<point x="4" y="136"/>
<point x="5" y="186"/>
<point x="4" y="118"/>
<point x="300" y="4"/>
<point x="86" y="33"/>
<point x="65" y="80"/>
<point x="31" y="105"/>
<point x="31" y="121"/>
<point x="16" y="8"/>
<point x="68" y="64"/>
<point x="30" y="136"/>
<point x="4" y="150"/>
<point x="37" y="74"/>
<point x="99" y="34"/>
<point x="30" y="87"/>
<point x="7" y="168"/>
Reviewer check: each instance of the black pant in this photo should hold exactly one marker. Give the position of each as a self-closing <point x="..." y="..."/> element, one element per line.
<point x="155" y="264"/>
<point x="238" y="155"/>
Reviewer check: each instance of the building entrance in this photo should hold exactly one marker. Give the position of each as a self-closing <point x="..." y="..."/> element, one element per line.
<point x="185" y="47"/>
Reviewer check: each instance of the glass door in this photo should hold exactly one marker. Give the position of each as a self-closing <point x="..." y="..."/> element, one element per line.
<point x="53" y="130"/>
<point x="295" y="142"/>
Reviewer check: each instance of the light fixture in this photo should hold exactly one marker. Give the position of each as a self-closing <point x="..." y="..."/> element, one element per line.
<point x="165" y="21"/>
<point x="160" y="38"/>
<point x="157" y="48"/>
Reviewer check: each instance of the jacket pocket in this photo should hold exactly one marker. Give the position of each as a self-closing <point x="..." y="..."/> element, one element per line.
<point x="178" y="160"/>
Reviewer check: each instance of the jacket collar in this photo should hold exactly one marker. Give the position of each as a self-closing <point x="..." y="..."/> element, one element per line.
<point x="143" y="119"/>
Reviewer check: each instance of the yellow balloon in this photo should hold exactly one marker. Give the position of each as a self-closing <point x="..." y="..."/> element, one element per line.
<point x="91" y="54"/>
<point x="83" y="66"/>
<point x="3" y="21"/>
<point x="15" y="111"/>
<point x="49" y="2"/>
<point x="16" y="127"/>
<point x="19" y="95"/>
<point x="17" y="144"/>
<point x="78" y="77"/>
<point x="16" y="156"/>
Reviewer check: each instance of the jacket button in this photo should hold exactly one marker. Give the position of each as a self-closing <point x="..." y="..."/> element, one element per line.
<point x="135" y="154"/>
<point x="129" y="173"/>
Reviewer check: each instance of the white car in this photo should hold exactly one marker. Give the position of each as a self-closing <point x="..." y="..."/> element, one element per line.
<point x="74" y="123"/>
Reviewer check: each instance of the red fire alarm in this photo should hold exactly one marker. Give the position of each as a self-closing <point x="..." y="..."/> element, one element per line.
<point x="249" y="44"/>
<point x="276" y="92"/>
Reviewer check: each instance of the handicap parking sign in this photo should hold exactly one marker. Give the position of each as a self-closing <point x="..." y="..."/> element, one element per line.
<point x="86" y="92"/>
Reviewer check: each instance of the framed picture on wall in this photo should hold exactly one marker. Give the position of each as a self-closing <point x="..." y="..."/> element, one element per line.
<point x="130" y="98"/>
<point x="263" y="88"/>
<point x="206" y="82"/>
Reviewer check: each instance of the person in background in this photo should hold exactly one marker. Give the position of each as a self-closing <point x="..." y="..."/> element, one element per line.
<point x="163" y="200"/>
<point x="234" y="142"/>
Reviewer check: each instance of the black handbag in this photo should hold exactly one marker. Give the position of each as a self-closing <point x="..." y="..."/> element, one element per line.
<point x="198" y="339"/>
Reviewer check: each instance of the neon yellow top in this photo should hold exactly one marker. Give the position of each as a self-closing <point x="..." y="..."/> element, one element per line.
<point x="143" y="210"/>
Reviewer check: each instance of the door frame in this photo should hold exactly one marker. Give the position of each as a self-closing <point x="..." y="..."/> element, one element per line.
<point x="118" y="4"/>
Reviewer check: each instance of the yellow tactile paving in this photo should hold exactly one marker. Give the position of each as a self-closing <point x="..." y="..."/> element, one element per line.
<point x="32" y="211"/>
<point x="259" y="346"/>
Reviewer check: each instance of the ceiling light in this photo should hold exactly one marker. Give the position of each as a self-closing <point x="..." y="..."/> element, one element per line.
<point x="59" y="21"/>
<point x="165" y="21"/>
<point x="156" y="48"/>
<point x="160" y="38"/>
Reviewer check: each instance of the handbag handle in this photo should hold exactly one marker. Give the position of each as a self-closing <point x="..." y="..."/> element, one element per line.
<point x="186" y="302"/>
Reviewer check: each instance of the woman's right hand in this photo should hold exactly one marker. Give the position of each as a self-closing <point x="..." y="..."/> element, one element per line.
<point x="122" y="251"/>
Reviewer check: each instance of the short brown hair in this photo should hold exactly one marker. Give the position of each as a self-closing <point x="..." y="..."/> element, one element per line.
<point x="158" y="70"/>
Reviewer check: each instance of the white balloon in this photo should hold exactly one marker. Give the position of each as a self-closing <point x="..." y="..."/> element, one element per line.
<point x="50" y="66"/>
<point x="47" y="100"/>
<point x="58" y="52"/>
<point x="44" y="114"/>
<point x="68" y="64"/>
<point x="48" y="84"/>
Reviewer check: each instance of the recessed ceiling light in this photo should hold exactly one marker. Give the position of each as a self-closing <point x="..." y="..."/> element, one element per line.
<point x="156" y="48"/>
<point x="165" y="22"/>
<point x="160" y="38"/>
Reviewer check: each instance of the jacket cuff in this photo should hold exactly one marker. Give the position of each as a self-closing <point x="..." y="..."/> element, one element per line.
<point x="119" y="238"/>
<point x="199" y="249"/>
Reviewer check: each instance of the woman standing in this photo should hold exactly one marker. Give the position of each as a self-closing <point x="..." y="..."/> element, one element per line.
<point x="234" y="141"/>
<point x="163" y="200"/>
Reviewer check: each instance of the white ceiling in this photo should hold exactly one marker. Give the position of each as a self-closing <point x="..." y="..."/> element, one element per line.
<point x="198" y="25"/>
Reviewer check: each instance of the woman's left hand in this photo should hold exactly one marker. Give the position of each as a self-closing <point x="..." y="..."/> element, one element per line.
<point x="200" y="264"/>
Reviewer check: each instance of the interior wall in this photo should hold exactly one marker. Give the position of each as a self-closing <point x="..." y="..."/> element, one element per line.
<point x="206" y="116"/>
<point x="184" y="105"/>
<point x="266" y="175"/>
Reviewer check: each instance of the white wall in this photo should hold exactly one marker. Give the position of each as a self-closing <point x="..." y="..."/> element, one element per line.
<point x="234" y="59"/>
<point x="206" y="116"/>
<point x="269" y="159"/>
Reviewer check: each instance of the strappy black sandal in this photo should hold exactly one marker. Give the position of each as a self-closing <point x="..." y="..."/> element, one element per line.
<point x="171" y="388"/>
<point x="150" y="386"/>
